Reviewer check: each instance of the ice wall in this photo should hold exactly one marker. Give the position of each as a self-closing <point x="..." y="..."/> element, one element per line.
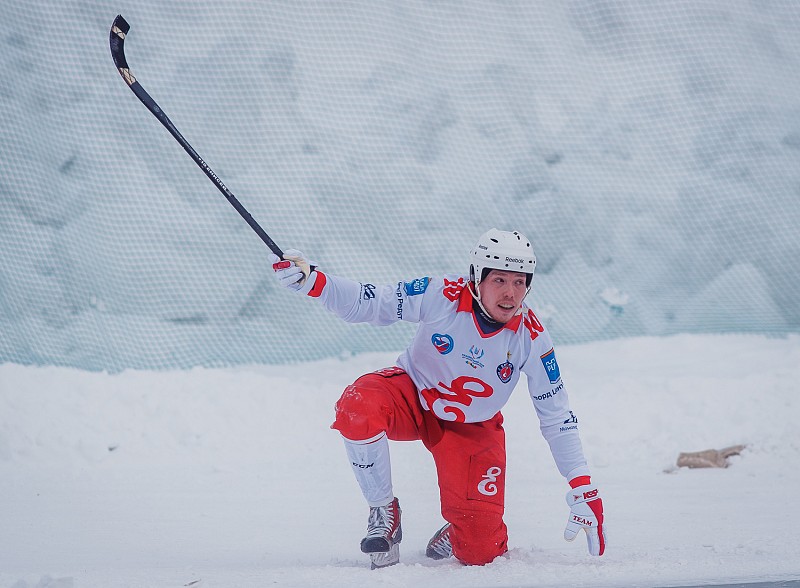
<point x="651" y="151"/>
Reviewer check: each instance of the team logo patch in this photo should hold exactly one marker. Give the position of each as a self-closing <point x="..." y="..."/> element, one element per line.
<point x="551" y="366"/>
<point x="442" y="342"/>
<point x="504" y="371"/>
<point x="417" y="286"/>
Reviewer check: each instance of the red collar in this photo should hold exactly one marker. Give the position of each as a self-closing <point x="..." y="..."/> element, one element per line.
<point x="465" y="305"/>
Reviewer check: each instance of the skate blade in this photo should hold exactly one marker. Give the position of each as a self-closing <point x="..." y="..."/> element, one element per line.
<point x="386" y="559"/>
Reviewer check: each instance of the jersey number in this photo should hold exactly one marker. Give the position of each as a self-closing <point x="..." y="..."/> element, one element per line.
<point x="461" y="391"/>
<point x="452" y="289"/>
<point x="532" y="324"/>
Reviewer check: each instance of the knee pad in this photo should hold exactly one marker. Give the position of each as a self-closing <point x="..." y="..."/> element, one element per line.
<point x="360" y="413"/>
<point x="477" y="536"/>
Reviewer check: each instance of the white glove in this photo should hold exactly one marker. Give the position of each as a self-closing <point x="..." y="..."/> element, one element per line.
<point x="586" y="512"/>
<point x="293" y="271"/>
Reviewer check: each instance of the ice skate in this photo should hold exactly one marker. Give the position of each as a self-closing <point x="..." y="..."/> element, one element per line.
<point x="439" y="547"/>
<point x="382" y="560"/>
<point x="384" y="534"/>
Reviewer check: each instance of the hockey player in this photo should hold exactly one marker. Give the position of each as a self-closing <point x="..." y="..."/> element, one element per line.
<point x="475" y="337"/>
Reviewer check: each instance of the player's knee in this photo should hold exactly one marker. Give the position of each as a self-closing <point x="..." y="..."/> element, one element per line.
<point x="480" y="551"/>
<point x="478" y="537"/>
<point x="358" y="414"/>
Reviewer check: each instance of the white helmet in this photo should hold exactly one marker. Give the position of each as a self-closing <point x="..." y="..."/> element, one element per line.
<point x="502" y="250"/>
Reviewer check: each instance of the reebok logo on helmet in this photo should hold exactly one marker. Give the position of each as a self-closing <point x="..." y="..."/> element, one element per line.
<point x="502" y="250"/>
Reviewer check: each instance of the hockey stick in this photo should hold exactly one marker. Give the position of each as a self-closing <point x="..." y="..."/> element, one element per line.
<point x="119" y="29"/>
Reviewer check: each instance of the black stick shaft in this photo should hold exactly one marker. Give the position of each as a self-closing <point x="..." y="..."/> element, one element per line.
<point x="119" y="30"/>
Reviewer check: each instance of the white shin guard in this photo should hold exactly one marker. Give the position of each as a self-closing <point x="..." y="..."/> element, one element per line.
<point x="369" y="459"/>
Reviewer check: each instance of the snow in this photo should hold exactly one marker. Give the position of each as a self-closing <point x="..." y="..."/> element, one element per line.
<point x="650" y="150"/>
<point x="232" y="477"/>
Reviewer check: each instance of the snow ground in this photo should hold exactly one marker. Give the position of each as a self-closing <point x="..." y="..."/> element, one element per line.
<point x="232" y="477"/>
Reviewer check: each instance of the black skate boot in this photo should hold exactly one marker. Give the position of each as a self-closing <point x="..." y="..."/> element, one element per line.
<point x="439" y="547"/>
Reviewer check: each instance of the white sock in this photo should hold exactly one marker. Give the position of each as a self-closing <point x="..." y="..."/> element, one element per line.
<point x="369" y="459"/>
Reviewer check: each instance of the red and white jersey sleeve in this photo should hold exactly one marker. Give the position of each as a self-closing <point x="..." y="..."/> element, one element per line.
<point x="462" y="374"/>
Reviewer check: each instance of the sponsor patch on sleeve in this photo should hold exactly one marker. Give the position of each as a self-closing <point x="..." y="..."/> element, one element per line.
<point x="417" y="286"/>
<point x="551" y="366"/>
<point x="367" y="291"/>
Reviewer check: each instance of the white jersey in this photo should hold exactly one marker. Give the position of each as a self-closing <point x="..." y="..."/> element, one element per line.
<point x="462" y="374"/>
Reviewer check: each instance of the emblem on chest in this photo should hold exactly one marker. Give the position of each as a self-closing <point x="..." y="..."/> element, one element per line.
<point x="473" y="357"/>
<point x="506" y="369"/>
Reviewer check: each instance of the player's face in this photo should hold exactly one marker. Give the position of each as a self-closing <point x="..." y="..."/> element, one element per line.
<point x="502" y="294"/>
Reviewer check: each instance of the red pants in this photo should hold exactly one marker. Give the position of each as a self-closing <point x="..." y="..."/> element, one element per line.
<point x="470" y="457"/>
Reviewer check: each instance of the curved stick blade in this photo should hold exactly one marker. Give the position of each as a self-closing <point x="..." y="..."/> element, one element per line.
<point x="116" y="38"/>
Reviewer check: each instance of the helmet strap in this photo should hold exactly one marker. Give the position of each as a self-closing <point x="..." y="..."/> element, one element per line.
<point x="476" y="295"/>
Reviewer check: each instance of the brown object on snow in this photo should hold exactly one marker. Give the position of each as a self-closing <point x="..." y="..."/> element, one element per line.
<point x="710" y="458"/>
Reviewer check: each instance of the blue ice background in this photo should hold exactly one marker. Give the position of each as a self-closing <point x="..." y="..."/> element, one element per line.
<point x="651" y="150"/>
